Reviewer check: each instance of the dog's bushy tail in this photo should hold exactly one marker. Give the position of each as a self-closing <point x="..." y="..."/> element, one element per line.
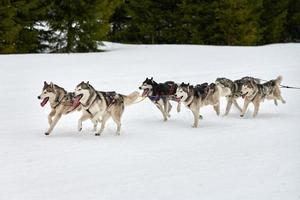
<point x="279" y="80"/>
<point x="130" y="98"/>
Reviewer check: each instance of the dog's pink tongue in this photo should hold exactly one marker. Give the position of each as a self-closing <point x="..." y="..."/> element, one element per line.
<point x="145" y="92"/>
<point x="76" y="102"/>
<point x="45" y="100"/>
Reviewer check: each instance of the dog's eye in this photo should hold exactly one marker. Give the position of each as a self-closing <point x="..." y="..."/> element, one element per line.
<point x="45" y="92"/>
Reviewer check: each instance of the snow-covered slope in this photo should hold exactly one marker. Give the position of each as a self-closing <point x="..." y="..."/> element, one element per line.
<point x="226" y="158"/>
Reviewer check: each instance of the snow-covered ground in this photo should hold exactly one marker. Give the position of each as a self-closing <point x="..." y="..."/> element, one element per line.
<point x="226" y="158"/>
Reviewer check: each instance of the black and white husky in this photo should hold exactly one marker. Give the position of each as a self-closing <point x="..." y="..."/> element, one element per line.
<point x="160" y="94"/>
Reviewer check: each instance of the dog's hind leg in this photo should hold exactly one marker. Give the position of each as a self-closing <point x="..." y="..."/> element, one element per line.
<point x="105" y="117"/>
<point x="229" y="104"/>
<point x="54" y="122"/>
<point x="217" y="108"/>
<point x="275" y="102"/>
<point x="169" y="108"/>
<point x="196" y="117"/>
<point x="51" y="114"/>
<point x="160" y="107"/>
<point x="237" y="105"/>
<point x="117" y="119"/>
<point x="282" y="100"/>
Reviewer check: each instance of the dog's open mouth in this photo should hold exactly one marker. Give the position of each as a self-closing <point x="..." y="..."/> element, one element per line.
<point x="178" y="98"/>
<point x="244" y="95"/>
<point x="76" y="101"/>
<point x="45" y="100"/>
<point x="145" y="92"/>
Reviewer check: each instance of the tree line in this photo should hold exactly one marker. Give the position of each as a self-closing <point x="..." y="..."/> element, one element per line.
<point x="30" y="26"/>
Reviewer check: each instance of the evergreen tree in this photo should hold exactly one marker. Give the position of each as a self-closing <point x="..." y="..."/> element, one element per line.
<point x="78" y="25"/>
<point x="9" y="29"/>
<point x="237" y="22"/>
<point x="274" y="20"/>
<point x="293" y="21"/>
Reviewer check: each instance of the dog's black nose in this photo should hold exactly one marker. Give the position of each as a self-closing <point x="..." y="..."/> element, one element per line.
<point x="39" y="97"/>
<point x="140" y="88"/>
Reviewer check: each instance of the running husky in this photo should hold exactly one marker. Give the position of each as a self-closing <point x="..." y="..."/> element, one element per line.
<point x="60" y="101"/>
<point x="196" y="97"/>
<point x="256" y="93"/>
<point x="101" y="105"/>
<point x="160" y="94"/>
<point x="232" y="90"/>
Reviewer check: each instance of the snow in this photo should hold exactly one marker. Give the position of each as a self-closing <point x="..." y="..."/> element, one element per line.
<point x="225" y="158"/>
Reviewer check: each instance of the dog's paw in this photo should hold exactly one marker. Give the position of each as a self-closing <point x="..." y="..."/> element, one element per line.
<point x="47" y="133"/>
<point x="118" y="133"/>
<point x="79" y="129"/>
<point x="97" y="134"/>
<point x="241" y="115"/>
<point x="200" y="117"/>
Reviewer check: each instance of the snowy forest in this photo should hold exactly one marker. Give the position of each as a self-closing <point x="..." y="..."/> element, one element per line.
<point x="33" y="26"/>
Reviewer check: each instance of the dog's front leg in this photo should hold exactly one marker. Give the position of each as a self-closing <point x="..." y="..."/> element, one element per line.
<point x="85" y="115"/>
<point x="237" y="105"/>
<point x="178" y="107"/>
<point x="51" y="114"/>
<point x="246" y="103"/>
<point x="104" y="118"/>
<point x="54" y="122"/>
<point x="256" y="108"/>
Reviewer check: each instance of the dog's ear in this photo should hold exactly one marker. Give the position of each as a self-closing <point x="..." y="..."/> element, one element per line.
<point x="151" y="79"/>
<point x="88" y="83"/>
<point x="51" y="85"/>
<point x="188" y="84"/>
<point x="45" y="83"/>
<point x="252" y="83"/>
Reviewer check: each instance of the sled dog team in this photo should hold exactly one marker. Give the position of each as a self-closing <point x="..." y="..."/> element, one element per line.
<point x="99" y="106"/>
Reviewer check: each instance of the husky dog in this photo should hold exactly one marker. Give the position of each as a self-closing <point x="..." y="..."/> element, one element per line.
<point x="101" y="105"/>
<point x="256" y="93"/>
<point x="232" y="90"/>
<point x="160" y="94"/>
<point x="60" y="101"/>
<point x="196" y="97"/>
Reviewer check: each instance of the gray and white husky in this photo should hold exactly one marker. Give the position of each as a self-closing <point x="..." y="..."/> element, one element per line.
<point x="61" y="104"/>
<point x="256" y="93"/>
<point x="195" y="97"/>
<point x="232" y="90"/>
<point x="101" y="105"/>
